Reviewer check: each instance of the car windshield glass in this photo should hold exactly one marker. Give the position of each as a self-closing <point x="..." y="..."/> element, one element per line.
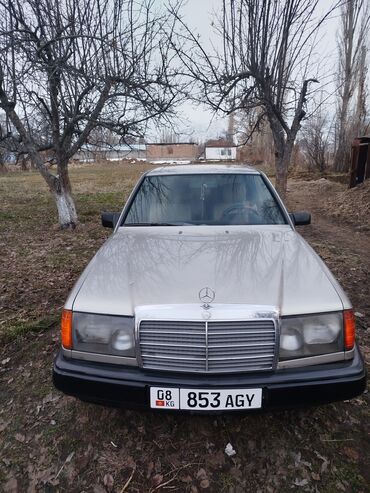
<point x="212" y="199"/>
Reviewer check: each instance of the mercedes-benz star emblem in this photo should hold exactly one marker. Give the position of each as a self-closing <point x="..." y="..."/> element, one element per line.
<point x="206" y="295"/>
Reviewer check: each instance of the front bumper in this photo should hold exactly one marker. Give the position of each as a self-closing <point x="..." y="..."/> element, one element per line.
<point x="129" y="386"/>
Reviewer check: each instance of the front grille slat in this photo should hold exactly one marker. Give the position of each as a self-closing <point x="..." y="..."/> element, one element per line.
<point x="169" y="337"/>
<point x="217" y="347"/>
<point x="241" y="351"/>
<point x="174" y="357"/>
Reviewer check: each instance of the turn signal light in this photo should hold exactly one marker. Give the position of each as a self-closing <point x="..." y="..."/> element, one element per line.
<point x="66" y="329"/>
<point x="349" y="329"/>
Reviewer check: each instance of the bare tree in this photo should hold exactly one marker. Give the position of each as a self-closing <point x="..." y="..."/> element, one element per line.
<point x="264" y="63"/>
<point x="354" y="27"/>
<point x="68" y="67"/>
<point x="315" y="142"/>
<point x="169" y="136"/>
<point x="256" y="145"/>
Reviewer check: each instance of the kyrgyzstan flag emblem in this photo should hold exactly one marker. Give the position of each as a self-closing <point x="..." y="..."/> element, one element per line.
<point x="159" y="403"/>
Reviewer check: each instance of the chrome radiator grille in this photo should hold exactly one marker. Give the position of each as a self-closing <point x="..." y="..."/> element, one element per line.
<point x="232" y="346"/>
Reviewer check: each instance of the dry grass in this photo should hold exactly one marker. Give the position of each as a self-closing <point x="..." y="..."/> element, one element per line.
<point x="352" y="205"/>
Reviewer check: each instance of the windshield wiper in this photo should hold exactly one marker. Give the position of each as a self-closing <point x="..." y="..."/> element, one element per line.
<point x="153" y="224"/>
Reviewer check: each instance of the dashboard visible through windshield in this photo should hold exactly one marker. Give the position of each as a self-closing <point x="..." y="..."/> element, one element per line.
<point x="204" y="199"/>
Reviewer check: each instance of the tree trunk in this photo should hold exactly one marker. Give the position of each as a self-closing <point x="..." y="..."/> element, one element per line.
<point x="341" y="156"/>
<point x="62" y="191"/>
<point x="24" y="166"/>
<point x="66" y="209"/>
<point x="3" y="168"/>
<point x="283" y="152"/>
<point x="361" y="112"/>
<point x="341" y="162"/>
<point x="282" y="161"/>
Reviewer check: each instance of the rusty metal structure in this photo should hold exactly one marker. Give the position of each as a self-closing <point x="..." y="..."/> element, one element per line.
<point x="360" y="161"/>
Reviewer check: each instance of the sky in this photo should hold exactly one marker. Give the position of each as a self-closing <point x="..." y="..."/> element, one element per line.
<point x="197" y="14"/>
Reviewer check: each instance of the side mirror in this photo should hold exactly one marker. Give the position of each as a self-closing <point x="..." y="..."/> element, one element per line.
<point x="110" y="219"/>
<point x="300" y="218"/>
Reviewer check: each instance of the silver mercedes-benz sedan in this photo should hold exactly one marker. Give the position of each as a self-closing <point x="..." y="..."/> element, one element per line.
<point x="205" y="298"/>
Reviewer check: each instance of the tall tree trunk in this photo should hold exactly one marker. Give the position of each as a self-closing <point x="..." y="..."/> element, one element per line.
<point x="3" y="168"/>
<point x="282" y="161"/>
<point x="341" y="156"/>
<point x="341" y="162"/>
<point x="23" y="163"/>
<point x="361" y="112"/>
<point x="283" y="153"/>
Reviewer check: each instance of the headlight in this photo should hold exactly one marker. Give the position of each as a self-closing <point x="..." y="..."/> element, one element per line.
<point x="106" y="334"/>
<point x="311" y="335"/>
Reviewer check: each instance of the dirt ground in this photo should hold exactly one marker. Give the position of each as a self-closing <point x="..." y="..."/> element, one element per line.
<point x="50" y="442"/>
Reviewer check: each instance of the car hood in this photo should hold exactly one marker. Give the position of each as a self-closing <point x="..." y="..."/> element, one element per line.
<point x="254" y="265"/>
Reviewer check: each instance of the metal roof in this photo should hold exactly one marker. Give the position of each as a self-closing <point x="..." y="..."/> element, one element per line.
<point x="171" y="143"/>
<point x="113" y="147"/>
<point x="220" y="146"/>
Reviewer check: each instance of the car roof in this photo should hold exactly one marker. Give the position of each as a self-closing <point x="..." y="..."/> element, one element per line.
<point x="191" y="169"/>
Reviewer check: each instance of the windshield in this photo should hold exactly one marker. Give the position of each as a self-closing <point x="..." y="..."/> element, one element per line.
<point x="211" y="199"/>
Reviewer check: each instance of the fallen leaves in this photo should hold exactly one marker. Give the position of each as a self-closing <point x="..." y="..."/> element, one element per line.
<point x="157" y="479"/>
<point x="67" y="461"/>
<point x="3" y="424"/>
<point x="215" y="460"/>
<point x="126" y="485"/>
<point x="300" y="482"/>
<point x="98" y="488"/>
<point x="20" y="438"/>
<point x="51" y="397"/>
<point x="202" y="477"/>
<point x="351" y="453"/>
<point x="359" y="315"/>
<point x="108" y="482"/>
<point x="11" y="486"/>
<point x="204" y="483"/>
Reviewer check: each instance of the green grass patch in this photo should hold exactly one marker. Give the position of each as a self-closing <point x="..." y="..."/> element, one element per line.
<point x="11" y="332"/>
<point x="349" y="474"/>
<point x="7" y="216"/>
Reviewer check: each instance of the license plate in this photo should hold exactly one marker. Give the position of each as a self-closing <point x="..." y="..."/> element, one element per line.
<point x="205" y="399"/>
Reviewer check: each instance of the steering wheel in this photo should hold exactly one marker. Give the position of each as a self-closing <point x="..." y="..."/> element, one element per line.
<point x="242" y="210"/>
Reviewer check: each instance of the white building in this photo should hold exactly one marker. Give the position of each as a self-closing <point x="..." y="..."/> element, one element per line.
<point x="220" y="153"/>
